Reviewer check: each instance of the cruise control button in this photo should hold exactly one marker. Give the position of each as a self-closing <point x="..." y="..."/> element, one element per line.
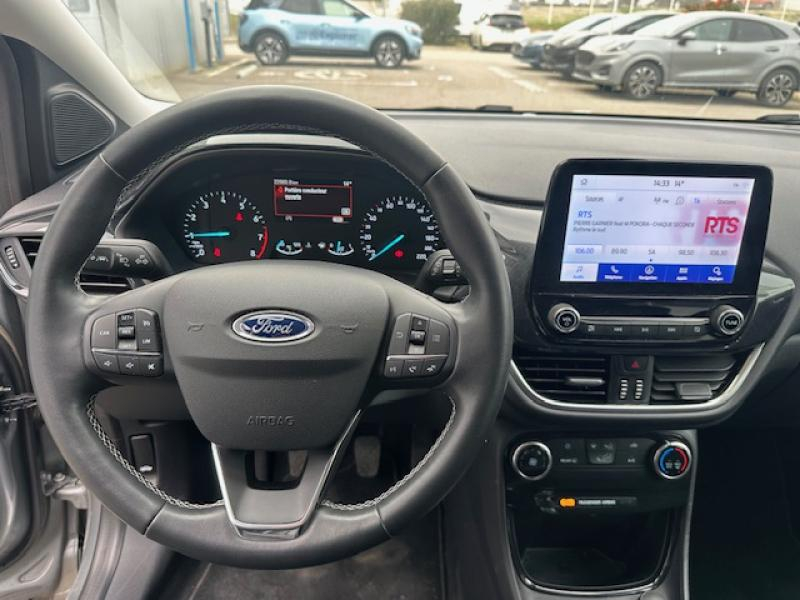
<point x="148" y="342"/>
<point x="128" y="365"/>
<point x="393" y="368"/>
<point x="104" y="333"/>
<point x="433" y="366"/>
<point x="126" y="332"/>
<point x="145" y="321"/>
<point x="150" y="366"/>
<point x="127" y="345"/>
<point x="412" y="367"/>
<point x="125" y="319"/>
<point x="438" y="338"/>
<point x="107" y="363"/>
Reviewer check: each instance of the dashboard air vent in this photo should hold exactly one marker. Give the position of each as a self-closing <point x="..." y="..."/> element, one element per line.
<point x="90" y="283"/>
<point x="690" y="379"/>
<point x="564" y="377"/>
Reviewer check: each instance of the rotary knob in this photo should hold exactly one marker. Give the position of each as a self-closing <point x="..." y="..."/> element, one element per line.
<point x="727" y="320"/>
<point x="564" y="318"/>
<point x="672" y="460"/>
<point x="532" y="460"/>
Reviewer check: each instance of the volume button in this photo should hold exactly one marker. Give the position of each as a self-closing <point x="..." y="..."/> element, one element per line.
<point x="564" y="318"/>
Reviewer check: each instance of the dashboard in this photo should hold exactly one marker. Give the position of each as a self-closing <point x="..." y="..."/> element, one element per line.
<point x="238" y="204"/>
<point x="304" y="197"/>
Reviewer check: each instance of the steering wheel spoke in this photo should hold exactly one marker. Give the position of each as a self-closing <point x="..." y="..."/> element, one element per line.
<point x="275" y="508"/>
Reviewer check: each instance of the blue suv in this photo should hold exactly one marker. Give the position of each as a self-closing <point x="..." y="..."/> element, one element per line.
<point x="274" y="29"/>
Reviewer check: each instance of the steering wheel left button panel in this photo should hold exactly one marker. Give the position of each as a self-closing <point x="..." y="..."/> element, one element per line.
<point x="128" y="343"/>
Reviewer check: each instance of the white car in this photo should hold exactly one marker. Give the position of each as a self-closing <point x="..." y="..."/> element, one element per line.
<point x="498" y="30"/>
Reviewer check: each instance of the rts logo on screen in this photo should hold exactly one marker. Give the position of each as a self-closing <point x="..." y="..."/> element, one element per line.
<point x="721" y="226"/>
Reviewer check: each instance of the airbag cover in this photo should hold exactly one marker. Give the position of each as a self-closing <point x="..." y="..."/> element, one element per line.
<point x="274" y="394"/>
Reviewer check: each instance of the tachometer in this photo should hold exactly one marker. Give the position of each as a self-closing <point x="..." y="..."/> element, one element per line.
<point x="399" y="232"/>
<point x="221" y="226"/>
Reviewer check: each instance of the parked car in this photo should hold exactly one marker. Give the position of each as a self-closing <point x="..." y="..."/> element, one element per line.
<point x="559" y="55"/>
<point x="531" y="48"/>
<point x="709" y="50"/>
<point x="275" y="29"/>
<point x="498" y="30"/>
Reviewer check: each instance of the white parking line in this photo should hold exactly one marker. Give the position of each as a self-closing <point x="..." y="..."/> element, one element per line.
<point x="501" y="73"/>
<point x="530" y="86"/>
<point x="523" y="83"/>
<point x="702" y="109"/>
<point x="222" y="69"/>
<point x="246" y="71"/>
<point x="444" y="78"/>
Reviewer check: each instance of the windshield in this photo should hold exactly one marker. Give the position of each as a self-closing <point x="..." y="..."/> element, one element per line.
<point x="740" y="61"/>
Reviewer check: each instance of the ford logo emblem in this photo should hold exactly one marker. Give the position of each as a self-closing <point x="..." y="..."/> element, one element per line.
<point x="273" y="327"/>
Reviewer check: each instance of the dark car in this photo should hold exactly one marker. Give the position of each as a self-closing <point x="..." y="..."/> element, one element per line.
<point x="531" y="49"/>
<point x="559" y="54"/>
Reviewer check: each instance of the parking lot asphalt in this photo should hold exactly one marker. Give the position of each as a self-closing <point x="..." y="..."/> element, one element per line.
<point x="460" y="77"/>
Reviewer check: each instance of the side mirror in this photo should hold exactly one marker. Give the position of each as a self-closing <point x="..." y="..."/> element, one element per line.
<point x="686" y="37"/>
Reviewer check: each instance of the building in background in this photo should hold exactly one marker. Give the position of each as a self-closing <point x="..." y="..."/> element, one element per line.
<point x="148" y="38"/>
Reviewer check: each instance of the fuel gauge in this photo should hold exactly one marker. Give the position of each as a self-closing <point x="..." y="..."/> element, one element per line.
<point x="289" y="248"/>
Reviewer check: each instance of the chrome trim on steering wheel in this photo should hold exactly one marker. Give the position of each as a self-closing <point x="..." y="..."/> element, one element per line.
<point x="291" y="529"/>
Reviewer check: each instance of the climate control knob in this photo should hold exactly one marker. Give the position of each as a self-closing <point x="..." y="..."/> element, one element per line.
<point x="727" y="320"/>
<point x="532" y="460"/>
<point x="672" y="460"/>
<point x="564" y="318"/>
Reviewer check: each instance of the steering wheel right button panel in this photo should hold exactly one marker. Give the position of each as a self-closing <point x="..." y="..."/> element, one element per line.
<point x="419" y="347"/>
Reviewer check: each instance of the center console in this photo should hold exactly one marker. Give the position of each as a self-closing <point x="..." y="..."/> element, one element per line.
<point x="648" y="305"/>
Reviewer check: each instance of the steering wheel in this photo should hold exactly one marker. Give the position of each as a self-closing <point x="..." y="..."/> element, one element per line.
<point x="271" y="355"/>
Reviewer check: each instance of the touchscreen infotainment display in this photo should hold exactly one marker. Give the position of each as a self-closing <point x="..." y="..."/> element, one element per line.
<point x="645" y="229"/>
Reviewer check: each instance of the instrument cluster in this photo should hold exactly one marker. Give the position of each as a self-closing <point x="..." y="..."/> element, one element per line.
<point x="242" y="204"/>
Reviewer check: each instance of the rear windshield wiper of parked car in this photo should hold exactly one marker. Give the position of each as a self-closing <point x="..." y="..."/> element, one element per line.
<point x="781" y="118"/>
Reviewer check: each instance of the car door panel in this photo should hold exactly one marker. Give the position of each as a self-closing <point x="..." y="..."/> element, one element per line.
<point x="703" y="60"/>
<point x="752" y="52"/>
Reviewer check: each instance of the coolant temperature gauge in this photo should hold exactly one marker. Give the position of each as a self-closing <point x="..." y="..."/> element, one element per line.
<point x="339" y="248"/>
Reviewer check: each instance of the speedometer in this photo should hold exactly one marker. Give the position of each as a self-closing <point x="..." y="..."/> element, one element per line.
<point x="221" y="226"/>
<point x="400" y="232"/>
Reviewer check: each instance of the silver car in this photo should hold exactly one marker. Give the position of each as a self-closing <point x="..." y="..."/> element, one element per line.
<point x="710" y="50"/>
